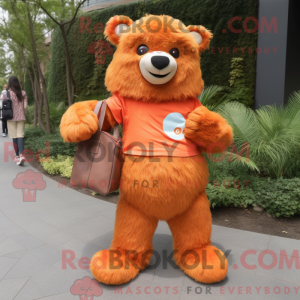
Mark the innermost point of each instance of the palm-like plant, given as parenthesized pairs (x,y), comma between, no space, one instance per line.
(213,96)
(273,133)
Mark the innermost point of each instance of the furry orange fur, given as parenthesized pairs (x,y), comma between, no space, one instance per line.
(123,75)
(178,195)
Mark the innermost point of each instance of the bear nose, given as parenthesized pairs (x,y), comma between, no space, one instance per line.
(160,62)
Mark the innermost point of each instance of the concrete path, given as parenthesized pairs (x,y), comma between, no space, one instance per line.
(35,236)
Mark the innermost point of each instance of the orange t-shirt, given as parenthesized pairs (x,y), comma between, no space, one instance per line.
(154,129)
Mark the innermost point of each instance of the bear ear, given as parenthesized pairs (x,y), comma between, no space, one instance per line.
(201,35)
(115,27)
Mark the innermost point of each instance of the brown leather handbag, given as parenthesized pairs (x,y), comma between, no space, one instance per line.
(98,161)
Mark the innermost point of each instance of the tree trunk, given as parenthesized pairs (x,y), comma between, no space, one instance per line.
(35,118)
(34,95)
(39,99)
(70,78)
(40,73)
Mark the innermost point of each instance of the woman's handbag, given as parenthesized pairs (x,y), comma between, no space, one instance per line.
(7,108)
(98,161)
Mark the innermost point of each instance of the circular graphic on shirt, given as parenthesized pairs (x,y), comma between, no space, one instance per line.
(173,126)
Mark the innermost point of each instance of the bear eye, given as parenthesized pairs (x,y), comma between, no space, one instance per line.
(142,49)
(174,52)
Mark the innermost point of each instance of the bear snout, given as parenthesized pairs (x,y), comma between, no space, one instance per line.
(160,62)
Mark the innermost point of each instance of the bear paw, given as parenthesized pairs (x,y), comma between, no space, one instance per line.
(111,267)
(78,123)
(206,265)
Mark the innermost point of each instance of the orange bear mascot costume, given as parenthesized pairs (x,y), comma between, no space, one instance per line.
(155,78)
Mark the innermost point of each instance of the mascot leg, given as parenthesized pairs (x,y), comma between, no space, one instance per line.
(193,252)
(131,248)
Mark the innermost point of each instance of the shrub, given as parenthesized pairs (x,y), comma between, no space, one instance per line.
(213,96)
(227,192)
(35,139)
(281,197)
(272,133)
(33,132)
(56,111)
(59,165)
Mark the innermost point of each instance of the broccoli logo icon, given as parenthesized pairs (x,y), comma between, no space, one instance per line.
(29,182)
(101,49)
(86,288)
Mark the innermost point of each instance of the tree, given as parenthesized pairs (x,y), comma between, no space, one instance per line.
(63,13)
(23,29)
(39,74)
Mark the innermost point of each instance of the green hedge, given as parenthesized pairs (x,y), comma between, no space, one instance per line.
(36,139)
(279,197)
(213,14)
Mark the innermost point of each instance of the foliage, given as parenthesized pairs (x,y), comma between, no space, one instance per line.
(213,96)
(221,193)
(3,81)
(272,134)
(29,114)
(281,197)
(61,165)
(237,70)
(242,94)
(28,89)
(56,112)
(240,91)
(3,64)
(36,138)
(14,31)
(61,11)
(215,65)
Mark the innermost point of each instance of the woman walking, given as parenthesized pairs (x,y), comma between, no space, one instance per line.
(16,125)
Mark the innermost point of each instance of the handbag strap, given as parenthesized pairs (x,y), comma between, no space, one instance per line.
(7,95)
(102,105)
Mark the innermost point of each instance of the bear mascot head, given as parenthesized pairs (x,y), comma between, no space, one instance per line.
(157,58)
(155,79)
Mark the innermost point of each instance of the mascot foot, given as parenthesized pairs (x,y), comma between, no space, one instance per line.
(212,266)
(114,267)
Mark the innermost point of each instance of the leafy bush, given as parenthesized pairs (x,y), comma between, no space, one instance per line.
(35,139)
(33,132)
(59,165)
(213,96)
(56,111)
(272,134)
(229,192)
(280,197)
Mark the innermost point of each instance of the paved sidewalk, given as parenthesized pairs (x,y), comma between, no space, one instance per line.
(33,236)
